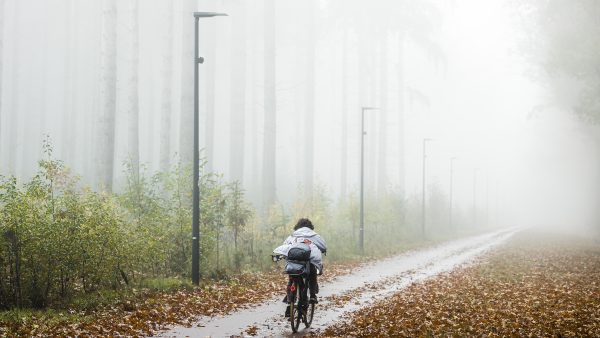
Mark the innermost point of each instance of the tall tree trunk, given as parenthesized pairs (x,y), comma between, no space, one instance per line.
(254,187)
(238,94)
(367,91)
(106,142)
(43,103)
(250,134)
(186,118)
(309,114)
(362,72)
(270,117)
(382,132)
(132,85)
(211,77)
(93,118)
(14,116)
(69,122)
(2,15)
(344,161)
(372,116)
(167,76)
(19,291)
(401,92)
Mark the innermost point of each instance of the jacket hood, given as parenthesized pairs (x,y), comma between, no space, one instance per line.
(304,232)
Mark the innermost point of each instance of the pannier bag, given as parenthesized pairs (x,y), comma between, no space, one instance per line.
(299,252)
(296,268)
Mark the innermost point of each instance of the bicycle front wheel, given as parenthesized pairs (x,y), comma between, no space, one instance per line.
(308,318)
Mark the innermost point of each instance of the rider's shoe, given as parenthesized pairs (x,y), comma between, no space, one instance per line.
(313,300)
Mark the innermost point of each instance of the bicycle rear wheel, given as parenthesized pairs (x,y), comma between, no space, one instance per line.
(295,309)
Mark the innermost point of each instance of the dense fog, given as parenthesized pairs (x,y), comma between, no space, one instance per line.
(281,91)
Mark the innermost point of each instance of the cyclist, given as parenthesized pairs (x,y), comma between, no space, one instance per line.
(304,233)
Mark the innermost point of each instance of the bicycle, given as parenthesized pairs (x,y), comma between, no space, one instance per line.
(300,309)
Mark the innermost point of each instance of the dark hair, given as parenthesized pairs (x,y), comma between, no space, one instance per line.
(304,223)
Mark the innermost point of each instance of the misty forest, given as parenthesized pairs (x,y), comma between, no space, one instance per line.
(439,161)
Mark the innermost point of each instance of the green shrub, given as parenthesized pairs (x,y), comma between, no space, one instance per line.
(62,242)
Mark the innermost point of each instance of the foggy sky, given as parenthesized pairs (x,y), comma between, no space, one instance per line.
(537,164)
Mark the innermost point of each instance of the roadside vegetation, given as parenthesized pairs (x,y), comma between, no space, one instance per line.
(71,255)
(533,286)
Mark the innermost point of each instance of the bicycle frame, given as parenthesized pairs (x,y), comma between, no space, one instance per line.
(300,284)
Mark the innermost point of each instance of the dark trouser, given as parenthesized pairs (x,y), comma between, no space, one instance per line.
(313,286)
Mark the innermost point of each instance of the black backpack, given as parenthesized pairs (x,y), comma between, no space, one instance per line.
(299,252)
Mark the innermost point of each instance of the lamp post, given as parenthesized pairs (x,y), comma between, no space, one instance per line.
(496,213)
(361,233)
(423,216)
(487,198)
(475,196)
(196,188)
(451,191)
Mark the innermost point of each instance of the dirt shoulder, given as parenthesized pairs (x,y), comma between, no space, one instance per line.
(535,285)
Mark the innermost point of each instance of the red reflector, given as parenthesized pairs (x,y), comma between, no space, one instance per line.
(293,288)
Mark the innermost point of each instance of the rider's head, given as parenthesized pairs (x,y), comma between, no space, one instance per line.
(304,223)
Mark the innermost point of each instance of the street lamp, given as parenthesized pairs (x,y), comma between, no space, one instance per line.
(361,235)
(196,188)
(451,191)
(423,216)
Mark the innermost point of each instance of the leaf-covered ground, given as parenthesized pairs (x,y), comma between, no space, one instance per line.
(535,285)
(147,312)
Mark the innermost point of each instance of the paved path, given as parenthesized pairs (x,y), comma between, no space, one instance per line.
(350,292)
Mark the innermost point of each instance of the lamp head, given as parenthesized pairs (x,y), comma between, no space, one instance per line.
(208,14)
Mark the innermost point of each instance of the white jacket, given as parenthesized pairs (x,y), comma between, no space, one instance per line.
(317,245)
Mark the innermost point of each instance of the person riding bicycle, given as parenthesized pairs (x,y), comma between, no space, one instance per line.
(304,233)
